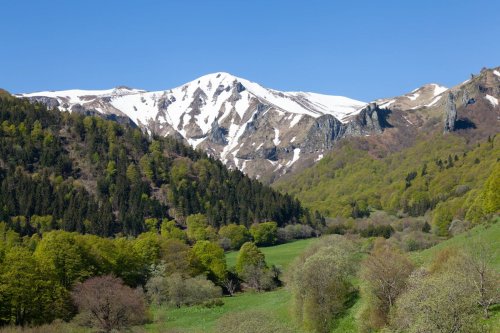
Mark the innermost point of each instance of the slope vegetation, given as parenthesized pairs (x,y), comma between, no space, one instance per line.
(441,173)
(86,174)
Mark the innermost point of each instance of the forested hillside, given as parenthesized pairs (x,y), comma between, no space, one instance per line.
(448,175)
(87,174)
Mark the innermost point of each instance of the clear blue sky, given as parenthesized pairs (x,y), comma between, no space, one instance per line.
(361,49)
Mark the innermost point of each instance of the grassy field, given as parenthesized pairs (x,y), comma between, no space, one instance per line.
(488,234)
(201,319)
(277,303)
(279,255)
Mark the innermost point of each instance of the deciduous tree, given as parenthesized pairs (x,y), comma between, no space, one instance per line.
(107,304)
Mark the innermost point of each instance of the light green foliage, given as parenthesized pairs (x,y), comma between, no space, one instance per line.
(237,234)
(443,215)
(8,239)
(486,200)
(147,246)
(147,166)
(37,131)
(43,223)
(321,283)
(128,265)
(198,228)
(133,174)
(179,170)
(151,224)
(264,233)
(249,255)
(64,255)
(111,169)
(209,257)
(169,230)
(189,291)
(28,294)
(251,267)
(351,175)
(440,302)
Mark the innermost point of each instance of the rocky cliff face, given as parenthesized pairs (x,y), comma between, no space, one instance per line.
(451,113)
(471,107)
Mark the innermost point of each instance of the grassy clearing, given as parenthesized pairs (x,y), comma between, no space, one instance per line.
(201,319)
(279,255)
(487,234)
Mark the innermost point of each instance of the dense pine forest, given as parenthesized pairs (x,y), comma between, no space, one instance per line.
(87,174)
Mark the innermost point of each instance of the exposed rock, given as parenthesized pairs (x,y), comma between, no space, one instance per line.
(50,102)
(324,132)
(370,120)
(217,134)
(451,114)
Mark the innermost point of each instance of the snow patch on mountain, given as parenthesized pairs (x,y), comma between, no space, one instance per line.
(438,90)
(492,100)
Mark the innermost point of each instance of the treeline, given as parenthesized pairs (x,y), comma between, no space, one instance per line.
(445,175)
(87,174)
(62,274)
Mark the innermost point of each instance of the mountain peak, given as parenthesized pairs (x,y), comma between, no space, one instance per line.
(246,125)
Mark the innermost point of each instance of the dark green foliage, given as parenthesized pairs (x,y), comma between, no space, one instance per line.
(377,231)
(92,175)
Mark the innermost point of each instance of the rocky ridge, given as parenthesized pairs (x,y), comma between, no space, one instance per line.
(267,133)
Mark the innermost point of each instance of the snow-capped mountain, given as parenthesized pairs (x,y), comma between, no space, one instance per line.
(427,95)
(267,133)
(472,104)
(263,132)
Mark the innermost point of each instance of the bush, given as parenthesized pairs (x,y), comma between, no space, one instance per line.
(107,304)
(190,291)
(265,233)
(237,235)
(259,277)
(385,272)
(321,282)
(439,302)
(249,255)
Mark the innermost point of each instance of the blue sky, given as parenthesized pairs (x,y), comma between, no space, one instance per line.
(360,49)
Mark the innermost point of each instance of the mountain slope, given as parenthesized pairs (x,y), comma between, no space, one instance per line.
(439,153)
(87,174)
(269,134)
(261,131)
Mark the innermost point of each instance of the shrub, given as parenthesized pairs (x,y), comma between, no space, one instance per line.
(265,233)
(107,304)
(320,282)
(237,235)
(190,291)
